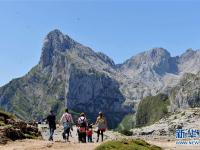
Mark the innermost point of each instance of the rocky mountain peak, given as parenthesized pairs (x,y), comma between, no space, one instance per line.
(190,50)
(188,54)
(156,58)
(58,41)
(158,53)
(54,33)
(188,61)
(55,41)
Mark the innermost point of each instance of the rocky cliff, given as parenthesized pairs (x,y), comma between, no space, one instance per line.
(187,93)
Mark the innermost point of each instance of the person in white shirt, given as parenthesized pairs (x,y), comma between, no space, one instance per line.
(67,121)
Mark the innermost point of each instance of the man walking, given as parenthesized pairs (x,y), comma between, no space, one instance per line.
(67,121)
(52,124)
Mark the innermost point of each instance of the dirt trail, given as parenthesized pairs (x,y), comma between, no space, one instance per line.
(46,145)
(58,144)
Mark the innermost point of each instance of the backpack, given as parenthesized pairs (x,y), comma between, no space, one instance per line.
(82,122)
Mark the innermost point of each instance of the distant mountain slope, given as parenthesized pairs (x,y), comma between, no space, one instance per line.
(73,75)
(155,71)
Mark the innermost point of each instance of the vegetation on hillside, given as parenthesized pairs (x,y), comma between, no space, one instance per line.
(136,144)
(126,124)
(151,109)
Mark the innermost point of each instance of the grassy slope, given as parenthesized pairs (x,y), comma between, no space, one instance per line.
(127,145)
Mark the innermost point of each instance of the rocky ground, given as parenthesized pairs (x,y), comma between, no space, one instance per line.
(186,119)
(58,142)
(12,129)
(162,133)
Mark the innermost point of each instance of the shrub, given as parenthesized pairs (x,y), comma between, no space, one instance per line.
(151,109)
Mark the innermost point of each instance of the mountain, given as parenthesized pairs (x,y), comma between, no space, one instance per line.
(149,71)
(155,71)
(72,75)
(68,74)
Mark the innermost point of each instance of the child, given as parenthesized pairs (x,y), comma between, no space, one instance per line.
(89,133)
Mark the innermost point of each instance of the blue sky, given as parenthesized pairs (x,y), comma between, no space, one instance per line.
(120,29)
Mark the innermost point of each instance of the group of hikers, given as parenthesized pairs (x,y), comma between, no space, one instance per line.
(84,129)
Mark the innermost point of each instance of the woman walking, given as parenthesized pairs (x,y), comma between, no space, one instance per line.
(101,124)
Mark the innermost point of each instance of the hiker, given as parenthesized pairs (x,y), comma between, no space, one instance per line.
(67,121)
(81,128)
(52,124)
(89,133)
(101,124)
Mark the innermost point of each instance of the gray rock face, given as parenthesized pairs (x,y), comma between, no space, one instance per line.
(188,62)
(187,93)
(54,42)
(157,60)
(99,91)
(187,119)
(106,59)
(92,92)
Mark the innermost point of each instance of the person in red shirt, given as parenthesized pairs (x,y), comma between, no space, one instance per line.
(89,133)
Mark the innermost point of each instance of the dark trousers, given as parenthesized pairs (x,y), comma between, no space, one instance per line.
(82,137)
(90,138)
(66,131)
(98,133)
(51,130)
